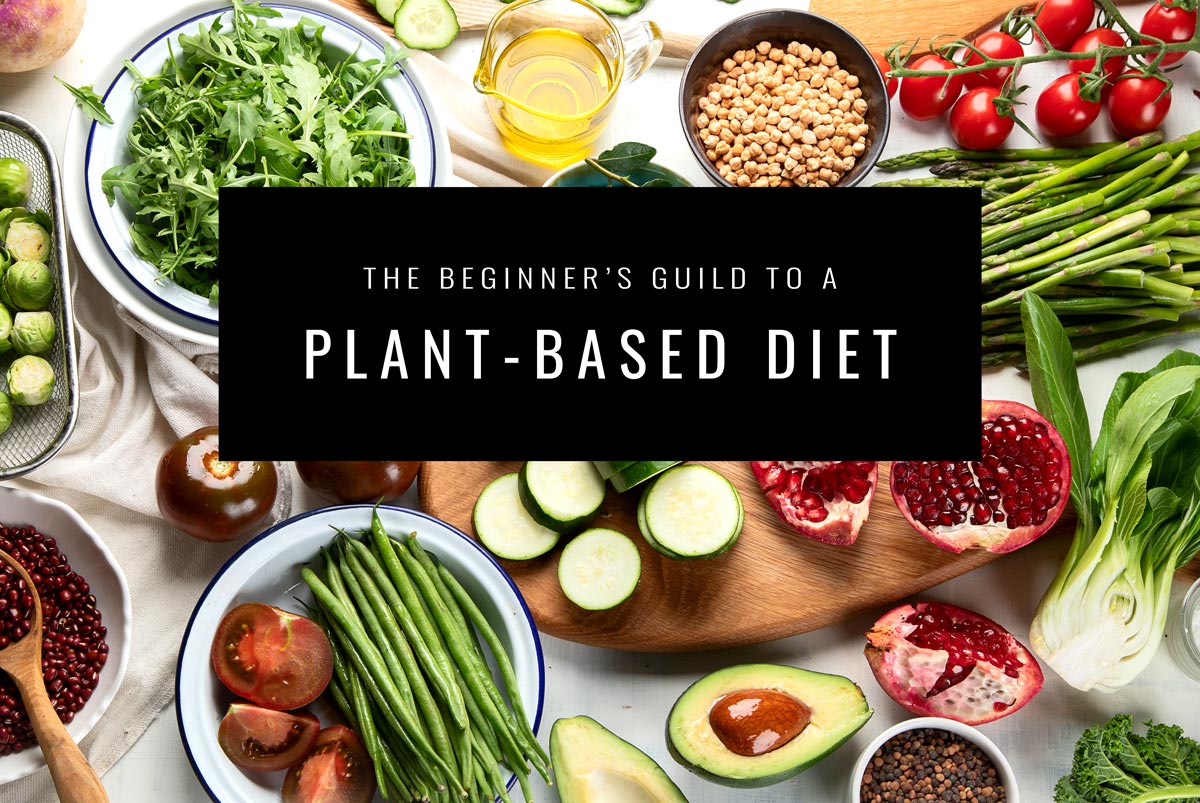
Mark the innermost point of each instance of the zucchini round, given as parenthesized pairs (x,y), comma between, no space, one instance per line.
(505,527)
(561,495)
(691,511)
(637,473)
(599,569)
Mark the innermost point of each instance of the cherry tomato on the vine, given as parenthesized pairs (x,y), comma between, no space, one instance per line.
(975,123)
(1137,105)
(925,97)
(1064,21)
(1170,24)
(997,45)
(884,67)
(1090,41)
(1061,112)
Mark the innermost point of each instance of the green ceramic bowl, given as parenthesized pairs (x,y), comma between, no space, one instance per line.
(580,175)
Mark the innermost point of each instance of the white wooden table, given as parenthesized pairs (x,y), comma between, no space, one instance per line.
(631,694)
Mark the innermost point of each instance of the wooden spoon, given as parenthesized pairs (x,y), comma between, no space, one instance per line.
(74,778)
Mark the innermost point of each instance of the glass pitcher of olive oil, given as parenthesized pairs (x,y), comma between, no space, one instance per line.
(551,70)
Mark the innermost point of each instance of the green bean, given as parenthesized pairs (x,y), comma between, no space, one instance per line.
(489,762)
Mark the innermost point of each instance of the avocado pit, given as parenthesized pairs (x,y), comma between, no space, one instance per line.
(753,722)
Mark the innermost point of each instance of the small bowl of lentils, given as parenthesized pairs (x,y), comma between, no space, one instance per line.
(932,759)
(784,98)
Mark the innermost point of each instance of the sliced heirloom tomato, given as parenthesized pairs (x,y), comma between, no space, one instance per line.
(337,770)
(262,740)
(272,657)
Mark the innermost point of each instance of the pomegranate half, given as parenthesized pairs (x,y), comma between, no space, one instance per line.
(937,659)
(826,501)
(1009,498)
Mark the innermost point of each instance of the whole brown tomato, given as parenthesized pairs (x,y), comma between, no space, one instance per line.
(210,498)
(358,480)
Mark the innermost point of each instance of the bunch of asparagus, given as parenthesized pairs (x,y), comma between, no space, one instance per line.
(1106,233)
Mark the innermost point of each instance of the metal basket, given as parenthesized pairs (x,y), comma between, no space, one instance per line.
(37,433)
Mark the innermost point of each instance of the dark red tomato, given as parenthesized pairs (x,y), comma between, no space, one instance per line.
(1170,24)
(1137,105)
(928,96)
(261,740)
(884,67)
(210,498)
(272,657)
(1061,112)
(1090,41)
(358,480)
(974,122)
(337,770)
(997,45)
(1064,21)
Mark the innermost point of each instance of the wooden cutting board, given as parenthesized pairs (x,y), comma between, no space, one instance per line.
(773,583)
(878,24)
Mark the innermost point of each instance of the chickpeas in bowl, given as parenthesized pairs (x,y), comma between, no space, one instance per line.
(795,108)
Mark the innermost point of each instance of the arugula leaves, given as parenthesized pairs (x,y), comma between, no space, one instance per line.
(243,102)
(91,103)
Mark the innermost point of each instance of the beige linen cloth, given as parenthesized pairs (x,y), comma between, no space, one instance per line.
(139,391)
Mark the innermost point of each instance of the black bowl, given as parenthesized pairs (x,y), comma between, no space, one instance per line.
(780,26)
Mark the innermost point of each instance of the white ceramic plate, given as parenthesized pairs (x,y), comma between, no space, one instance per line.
(101,232)
(267,570)
(90,558)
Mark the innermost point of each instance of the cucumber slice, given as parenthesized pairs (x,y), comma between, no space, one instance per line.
(608,469)
(599,569)
(505,526)
(638,473)
(426,24)
(620,8)
(561,495)
(388,8)
(691,511)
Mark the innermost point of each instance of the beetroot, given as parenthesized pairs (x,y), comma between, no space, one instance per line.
(940,660)
(34,33)
(826,501)
(1011,497)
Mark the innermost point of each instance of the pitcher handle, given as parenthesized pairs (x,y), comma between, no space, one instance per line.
(642,44)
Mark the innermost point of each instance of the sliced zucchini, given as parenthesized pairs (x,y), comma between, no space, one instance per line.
(638,473)
(620,8)
(608,469)
(426,24)
(599,569)
(561,495)
(691,511)
(388,8)
(505,527)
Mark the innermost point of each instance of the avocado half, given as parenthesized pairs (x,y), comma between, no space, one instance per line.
(594,765)
(838,710)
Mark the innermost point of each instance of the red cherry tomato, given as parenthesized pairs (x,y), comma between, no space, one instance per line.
(884,67)
(928,96)
(1135,106)
(974,122)
(1064,21)
(277,659)
(1170,24)
(1061,112)
(997,45)
(210,498)
(261,740)
(1090,41)
(338,770)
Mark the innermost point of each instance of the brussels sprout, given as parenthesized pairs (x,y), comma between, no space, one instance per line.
(6,323)
(6,412)
(29,285)
(32,332)
(5,260)
(30,381)
(27,240)
(15,182)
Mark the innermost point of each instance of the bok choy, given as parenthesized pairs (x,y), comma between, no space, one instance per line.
(1136,494)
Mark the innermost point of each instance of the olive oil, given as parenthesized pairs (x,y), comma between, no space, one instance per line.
(556,85)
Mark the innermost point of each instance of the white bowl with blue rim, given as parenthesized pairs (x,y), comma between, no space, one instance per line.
(267,569)
(101,231)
